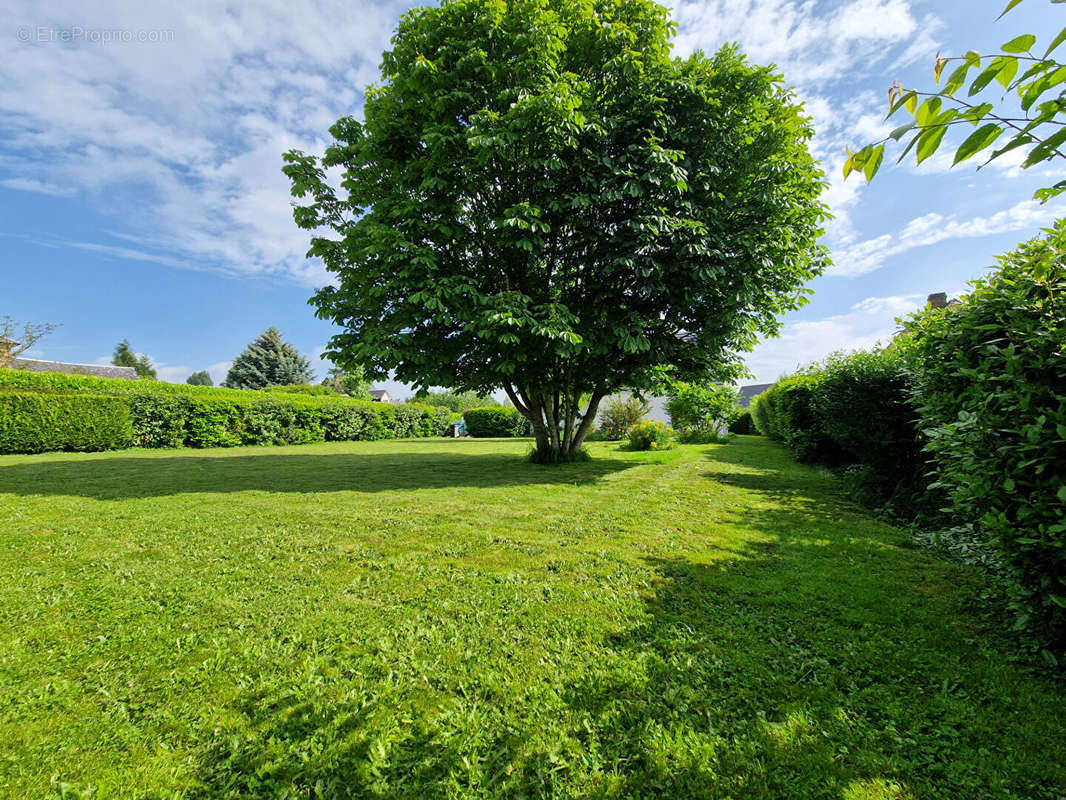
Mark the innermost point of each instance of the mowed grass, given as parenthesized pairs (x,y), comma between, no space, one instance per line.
(434,619)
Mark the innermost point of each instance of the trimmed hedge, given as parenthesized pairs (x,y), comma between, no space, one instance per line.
(989,378)
(35,423)
(495,421)
(853,411)
(743,424)
(172,415)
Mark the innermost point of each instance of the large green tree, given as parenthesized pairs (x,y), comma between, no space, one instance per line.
(201,378)
(540,198)
(268,361)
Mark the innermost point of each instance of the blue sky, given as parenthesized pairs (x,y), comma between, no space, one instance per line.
(141,195)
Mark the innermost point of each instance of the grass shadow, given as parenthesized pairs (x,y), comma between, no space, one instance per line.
(130,476)
(827,661)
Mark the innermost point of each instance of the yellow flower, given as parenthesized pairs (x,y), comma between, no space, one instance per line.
(654,444)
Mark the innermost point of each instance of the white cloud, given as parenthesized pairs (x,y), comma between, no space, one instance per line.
(182,139)
(219,371)
(869,322)
(38,187)
(810,42)
(872,254)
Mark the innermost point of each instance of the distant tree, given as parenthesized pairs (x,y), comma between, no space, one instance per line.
(352,382)
(14,342)
(454,401)
(201,378)
(268,361)
(541,197)
(125,357)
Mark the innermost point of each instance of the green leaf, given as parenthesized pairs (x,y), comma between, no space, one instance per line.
(1008,484)
(1008,69)
(928,110)
(1056,42)
(985,78)
(929,141)
(956,79)
(897,134)
(1019,140)
(1010,5)
(1020,44)
(873,162)
(1046,149)
(977,141)
(1062,493)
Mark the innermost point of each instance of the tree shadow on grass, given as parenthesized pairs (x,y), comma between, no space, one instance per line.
(130,476)
(826,662)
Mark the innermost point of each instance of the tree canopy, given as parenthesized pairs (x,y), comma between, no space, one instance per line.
(540,198)
(201,378)
(268,361)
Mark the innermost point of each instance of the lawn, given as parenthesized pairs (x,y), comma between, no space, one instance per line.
(439,618)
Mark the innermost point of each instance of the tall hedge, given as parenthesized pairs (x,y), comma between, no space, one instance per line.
(990,387)
(35,423)
(495,421)
(853,411)
(171,415)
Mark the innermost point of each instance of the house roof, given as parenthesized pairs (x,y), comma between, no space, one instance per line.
(96,370)
(377,394)
(8,340)
(746,393)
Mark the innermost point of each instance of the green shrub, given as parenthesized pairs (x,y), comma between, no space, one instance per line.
(619,414)
(39,422)
(702,436)
(701,411)
(743,423)
(990,387)
(158,420)
(319,390)
(651,435)
(760,413)
(495,421)
(452,400)
(863,406)
(853,411)
(790,417)
(170,415)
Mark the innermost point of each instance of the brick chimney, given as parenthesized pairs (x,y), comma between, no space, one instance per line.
(937,300)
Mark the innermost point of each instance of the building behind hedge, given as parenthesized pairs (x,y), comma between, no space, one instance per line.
(94,370)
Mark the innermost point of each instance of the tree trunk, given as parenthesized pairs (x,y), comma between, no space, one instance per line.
(546,412)
(586,423)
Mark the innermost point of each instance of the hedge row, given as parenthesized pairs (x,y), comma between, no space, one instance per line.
(853,410)
(170,415)
(63,383)
(35,423)
(161,421)
(989,385)
(495,421)
(967,410)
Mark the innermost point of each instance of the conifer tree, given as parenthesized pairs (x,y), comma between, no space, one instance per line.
(268,361)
